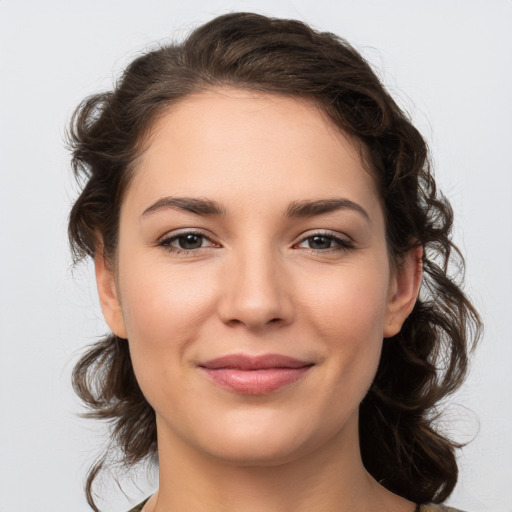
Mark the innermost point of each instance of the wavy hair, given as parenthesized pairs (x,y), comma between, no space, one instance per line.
(400,444)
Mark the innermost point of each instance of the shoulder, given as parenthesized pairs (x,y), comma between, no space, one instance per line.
(437,508)
(138,508)
(422,508)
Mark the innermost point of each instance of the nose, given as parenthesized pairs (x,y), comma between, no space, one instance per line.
(256,292)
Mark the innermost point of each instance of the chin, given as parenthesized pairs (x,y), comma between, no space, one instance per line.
(261,452)
(266,443)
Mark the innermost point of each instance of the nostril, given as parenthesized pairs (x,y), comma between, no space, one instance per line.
(235,322)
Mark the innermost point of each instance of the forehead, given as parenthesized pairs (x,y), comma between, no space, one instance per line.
(235,144)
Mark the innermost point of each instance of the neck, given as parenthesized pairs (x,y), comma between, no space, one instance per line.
(328,479)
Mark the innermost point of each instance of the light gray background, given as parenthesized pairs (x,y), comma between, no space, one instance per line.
(448,63)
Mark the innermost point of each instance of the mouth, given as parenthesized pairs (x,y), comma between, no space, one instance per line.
(255,375)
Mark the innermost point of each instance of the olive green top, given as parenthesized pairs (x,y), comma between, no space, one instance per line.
(420,508)
(437,508)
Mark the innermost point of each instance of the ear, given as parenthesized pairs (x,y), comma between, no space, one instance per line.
(404,288)
(108,294)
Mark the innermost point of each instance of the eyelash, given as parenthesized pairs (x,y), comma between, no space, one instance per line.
(342,244)
(166,242)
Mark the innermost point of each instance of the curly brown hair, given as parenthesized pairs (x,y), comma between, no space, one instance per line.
(401,446)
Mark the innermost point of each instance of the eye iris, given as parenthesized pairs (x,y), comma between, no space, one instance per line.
(320,242)
(190,241)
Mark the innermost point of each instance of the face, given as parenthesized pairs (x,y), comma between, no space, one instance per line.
(252,279)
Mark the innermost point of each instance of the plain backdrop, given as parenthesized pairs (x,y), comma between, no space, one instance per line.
(448,63)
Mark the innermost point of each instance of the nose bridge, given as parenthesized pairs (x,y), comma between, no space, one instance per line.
(255,292)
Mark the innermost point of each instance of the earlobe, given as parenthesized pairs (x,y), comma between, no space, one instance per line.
(108,294)
(404,291)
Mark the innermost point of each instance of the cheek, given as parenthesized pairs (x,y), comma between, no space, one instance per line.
(163,312)
(347,311)
(348,300)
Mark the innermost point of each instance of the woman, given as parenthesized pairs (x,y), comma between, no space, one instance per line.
(261,215)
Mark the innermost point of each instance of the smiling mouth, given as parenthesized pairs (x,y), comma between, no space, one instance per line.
(257,375)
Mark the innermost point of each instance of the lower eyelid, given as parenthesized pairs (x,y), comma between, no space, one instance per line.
(341,242)
(167,240)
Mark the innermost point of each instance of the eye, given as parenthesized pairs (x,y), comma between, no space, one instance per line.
(325,242)
(186,242)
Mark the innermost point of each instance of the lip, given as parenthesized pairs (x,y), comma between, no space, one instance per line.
(255,375)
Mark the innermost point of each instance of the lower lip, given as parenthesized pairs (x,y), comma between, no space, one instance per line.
(255,382)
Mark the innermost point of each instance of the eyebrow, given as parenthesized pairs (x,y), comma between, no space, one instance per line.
(305,208)
(199,206)
(322,206)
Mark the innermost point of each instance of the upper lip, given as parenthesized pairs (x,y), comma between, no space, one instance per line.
(247,362)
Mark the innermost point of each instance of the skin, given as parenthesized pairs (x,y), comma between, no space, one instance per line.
(257,283)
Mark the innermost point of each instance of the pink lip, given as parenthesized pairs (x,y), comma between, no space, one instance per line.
(255,375)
